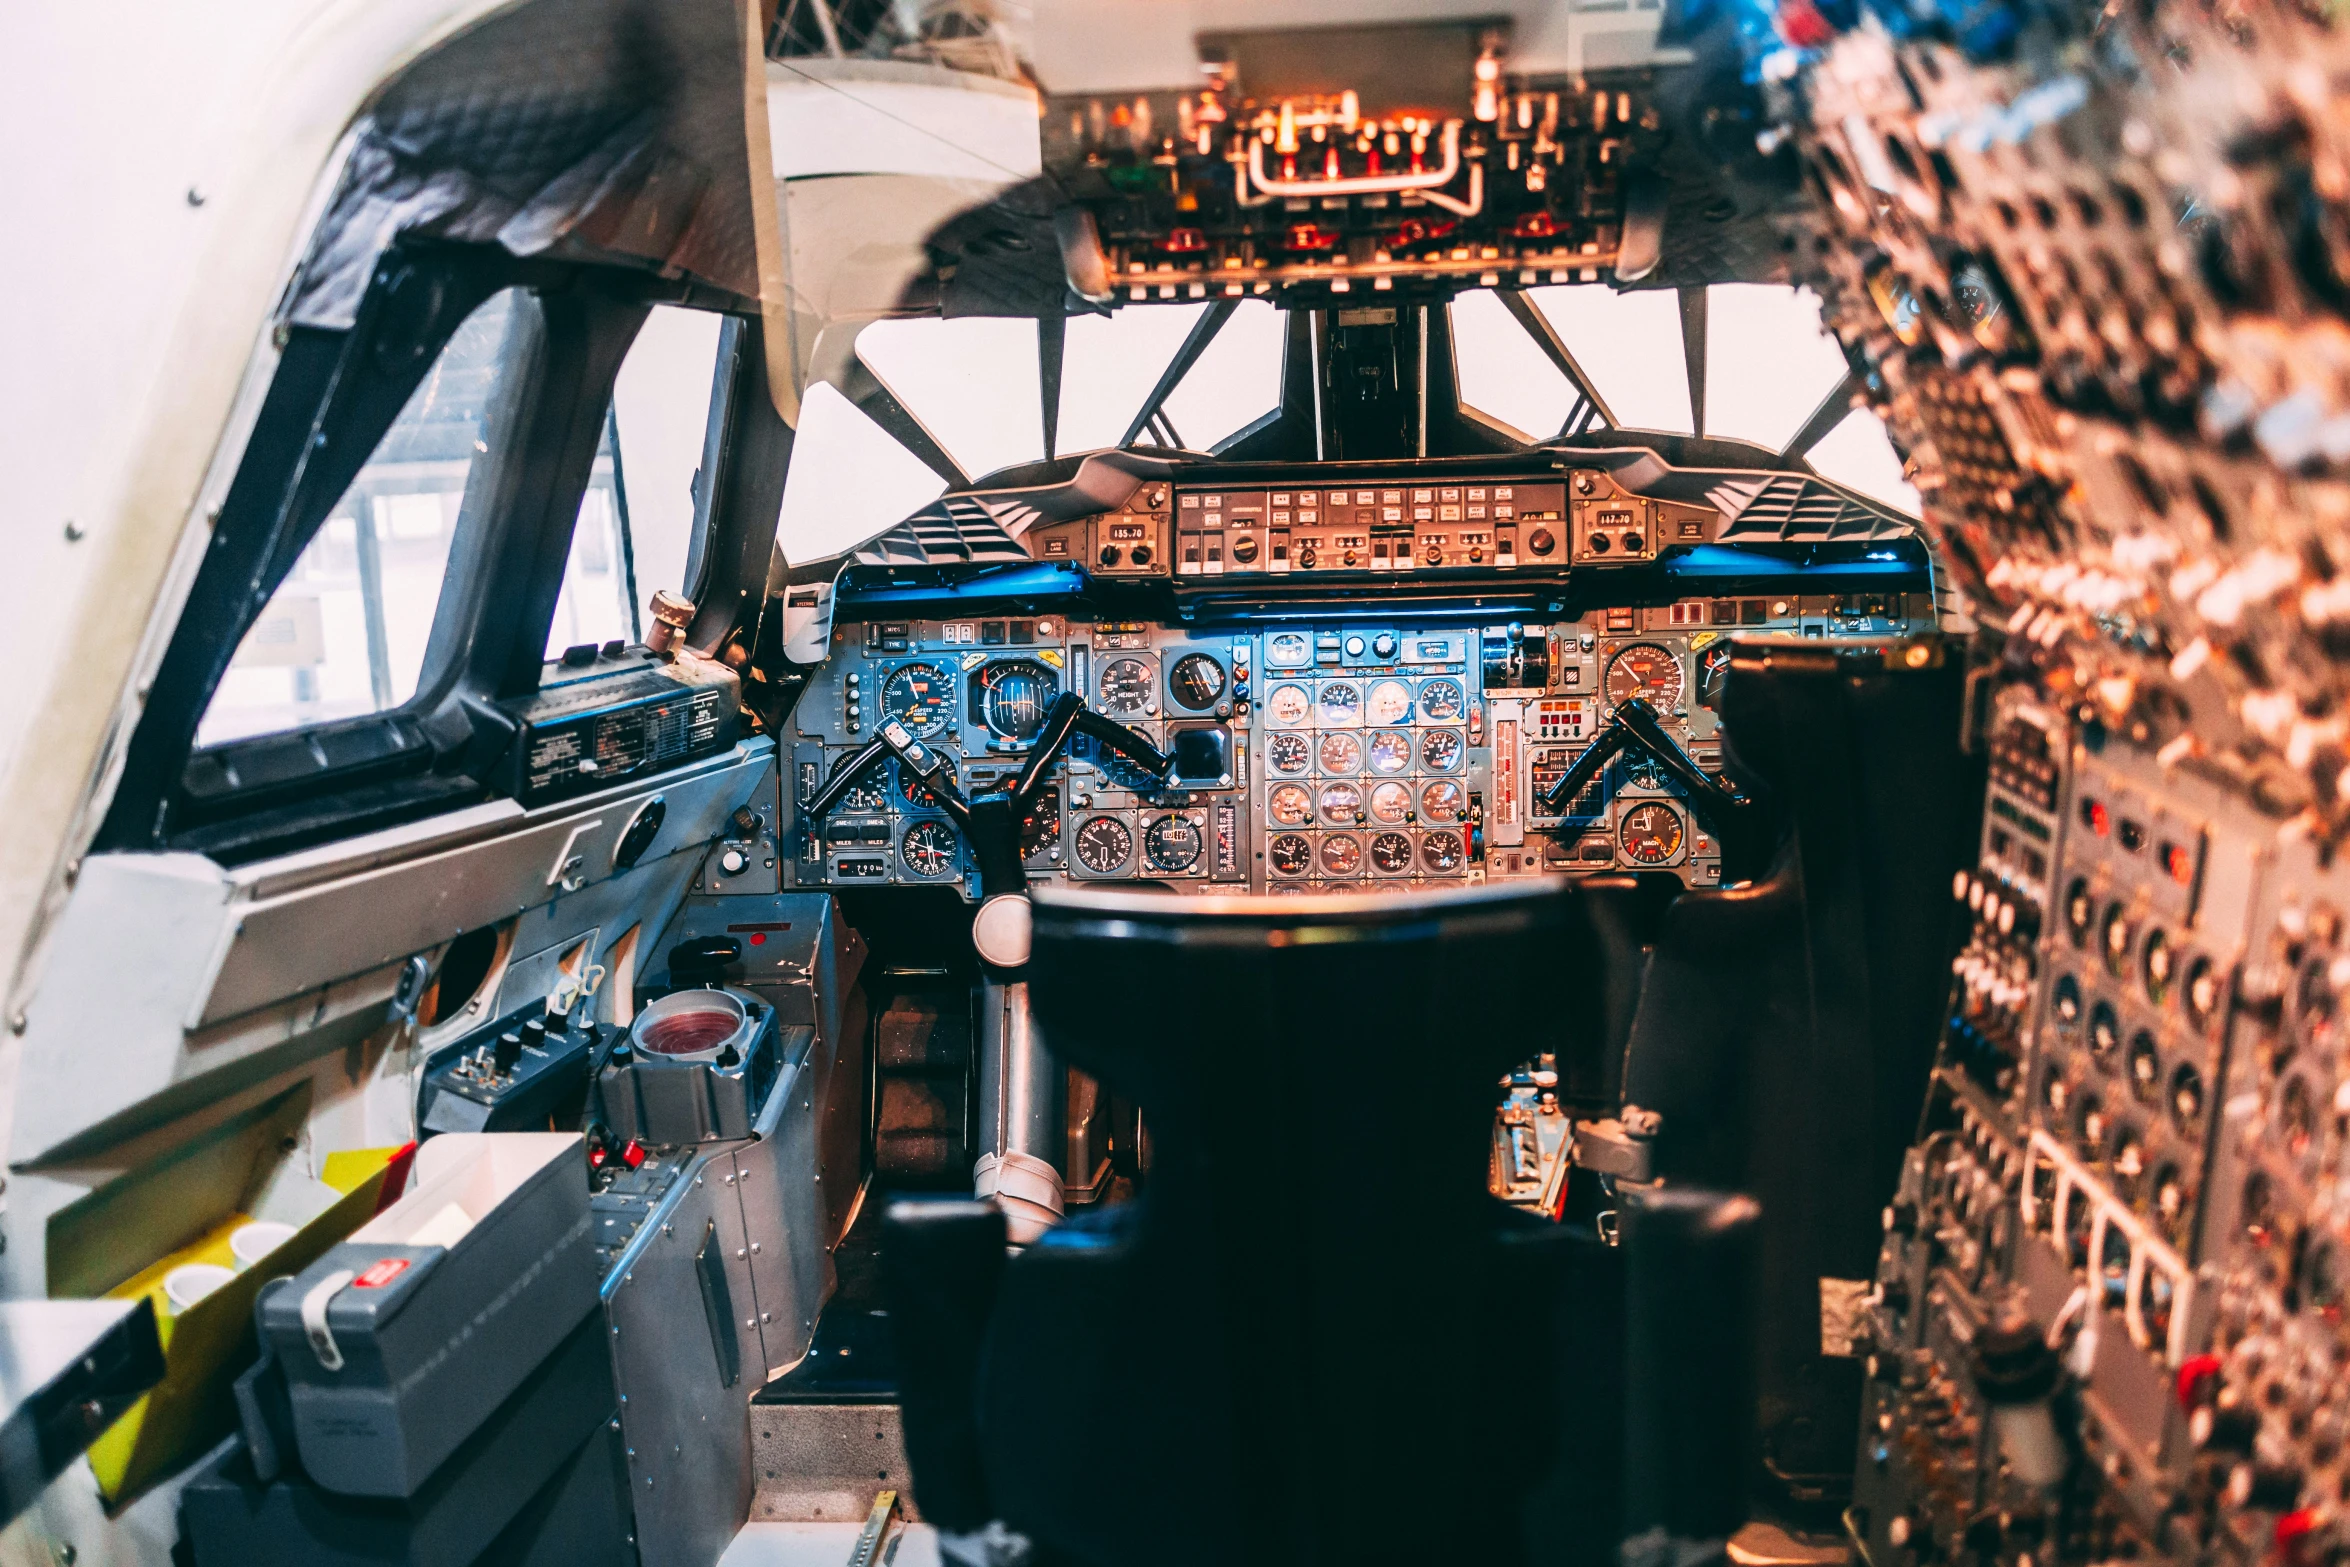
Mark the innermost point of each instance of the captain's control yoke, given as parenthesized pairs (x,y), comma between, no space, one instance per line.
(1020,1088)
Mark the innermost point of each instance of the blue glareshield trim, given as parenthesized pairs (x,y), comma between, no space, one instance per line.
(1891,561)
(1032,580)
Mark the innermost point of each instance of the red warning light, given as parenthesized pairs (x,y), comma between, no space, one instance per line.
(2179,863)
(758,938)
(633,1154)
(2099,821)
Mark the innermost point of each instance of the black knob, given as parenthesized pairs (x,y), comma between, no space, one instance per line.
(1541,541)
(1110,554)
(508,1049)
(2274,1488)
(1141,555)
(1244,548)
(1598,545)
(2224,1428)
(1305,557)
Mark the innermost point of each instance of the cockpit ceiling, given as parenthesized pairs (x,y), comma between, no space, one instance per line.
(615,131)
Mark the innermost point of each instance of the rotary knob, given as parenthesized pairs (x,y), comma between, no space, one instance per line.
(1244,548)
(1541,541)
(1383,645)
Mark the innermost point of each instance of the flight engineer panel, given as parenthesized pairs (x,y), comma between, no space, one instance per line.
(1363,755)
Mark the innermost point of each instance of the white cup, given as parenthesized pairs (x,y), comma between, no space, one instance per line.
(254,1241)
(190,1282)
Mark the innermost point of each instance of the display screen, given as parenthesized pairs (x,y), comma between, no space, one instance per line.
(1203,758)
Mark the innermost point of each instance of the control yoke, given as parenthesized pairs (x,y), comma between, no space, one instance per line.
(992,821)
(1635,728)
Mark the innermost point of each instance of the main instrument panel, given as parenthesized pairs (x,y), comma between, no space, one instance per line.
(1360,755)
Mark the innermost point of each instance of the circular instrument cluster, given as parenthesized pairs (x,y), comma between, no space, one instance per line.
(1364,777)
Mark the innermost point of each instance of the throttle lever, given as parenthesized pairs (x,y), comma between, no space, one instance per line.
(1636,727)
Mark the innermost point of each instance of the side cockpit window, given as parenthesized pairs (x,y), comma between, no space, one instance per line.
(345,633)
(636,522)
(348,632)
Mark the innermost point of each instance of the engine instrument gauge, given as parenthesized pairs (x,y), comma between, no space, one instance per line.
(1340,753)
(1125,687)
(1013,696)
(1441,801)
(1341,703)
(928,849)
(1197,681)
(1291,854)
(1390,751)
(1289,753)
(1288,706)
(1440,750)
(1391,853)
(1342,854)
(911,791)
(1289,805)
(1391,802)
(1390,702)
(1651,834)
(1441,701)
(1341,803)
(1172,843)
(1644,669)
(871,790)
(1040,826)
(1441,851)
(921,697)
(1104,844)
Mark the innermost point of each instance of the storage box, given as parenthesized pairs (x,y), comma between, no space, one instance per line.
(538,1481)
(126,1237)
(399,1343)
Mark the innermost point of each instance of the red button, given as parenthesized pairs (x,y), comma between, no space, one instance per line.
(634,1154)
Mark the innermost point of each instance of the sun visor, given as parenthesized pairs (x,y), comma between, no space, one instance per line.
(596,130)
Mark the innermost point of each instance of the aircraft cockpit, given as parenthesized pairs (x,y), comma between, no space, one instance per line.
(1116,782)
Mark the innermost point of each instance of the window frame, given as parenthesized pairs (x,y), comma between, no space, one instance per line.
(332,399)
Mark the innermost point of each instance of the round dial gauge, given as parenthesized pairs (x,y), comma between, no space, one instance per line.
(911,791)
(1644,669)
(1172,842)
(1441,701)
(1288,649)
(1391,853)
(1441,851)
(1441,801)
(1440,750)
(929,849)
(1341,753)
(1290,753)
(871,790)
(1391,802)
(1103,844)
(1292,854)
(1342,854)
(1040,827)
(1391,751)
(1197,681)
(1341,803)
(1287,705)
(1651,834)
(921,697)
(1341,703)
(1013,697)
(1125,687)
(1289,805)
(1390,702)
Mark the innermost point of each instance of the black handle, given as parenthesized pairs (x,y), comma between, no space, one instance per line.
(1635,726)
(930,765)
(1069,715)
